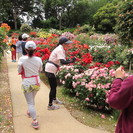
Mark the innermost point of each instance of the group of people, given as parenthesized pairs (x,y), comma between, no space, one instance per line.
(120,96)
(29,67)
(17,46)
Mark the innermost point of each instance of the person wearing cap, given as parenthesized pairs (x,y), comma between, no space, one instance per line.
(57,57)
(29,67)
(25,39)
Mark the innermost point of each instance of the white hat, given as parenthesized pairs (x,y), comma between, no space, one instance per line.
(25,36)
(30,44)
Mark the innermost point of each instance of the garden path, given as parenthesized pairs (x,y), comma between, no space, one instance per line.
(57,121)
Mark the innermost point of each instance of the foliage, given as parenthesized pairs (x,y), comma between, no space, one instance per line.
(89,40)
(25,28)
(84,29)
(112,52)
(104,19)
(43,34)
(50,23)
(124,27)
(2,44)
(89,88)
(68,30)
(19,9)
(3,37)
(68,13)
(94,6)
(54,31)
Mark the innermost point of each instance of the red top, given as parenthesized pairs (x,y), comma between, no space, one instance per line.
(121,98)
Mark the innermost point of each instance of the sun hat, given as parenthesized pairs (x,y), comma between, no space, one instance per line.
(25,36)
(64,40)
(30,44)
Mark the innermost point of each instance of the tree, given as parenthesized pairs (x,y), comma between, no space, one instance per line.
(105,18)
(56,9)
(67,13)
(124,26)
(79,14)
(13,9)
(94,6)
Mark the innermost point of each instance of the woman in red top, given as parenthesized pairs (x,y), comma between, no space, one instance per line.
(121,97)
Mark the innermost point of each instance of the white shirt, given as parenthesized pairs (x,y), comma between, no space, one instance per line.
(57,54)
(32,66)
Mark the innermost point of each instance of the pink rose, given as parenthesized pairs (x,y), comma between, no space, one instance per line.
(103,116)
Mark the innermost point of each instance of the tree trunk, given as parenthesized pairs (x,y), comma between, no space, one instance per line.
(60,23)
(15,18)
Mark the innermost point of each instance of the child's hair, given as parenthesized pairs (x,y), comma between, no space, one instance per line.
(30,52)
(20,38)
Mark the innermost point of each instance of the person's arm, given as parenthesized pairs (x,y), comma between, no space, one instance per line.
(41,64)
(63,62)
(121,92)
(20,69)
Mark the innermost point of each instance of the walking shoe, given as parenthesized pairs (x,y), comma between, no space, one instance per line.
(35,124)
(57,101)
(53,107)
(28,114)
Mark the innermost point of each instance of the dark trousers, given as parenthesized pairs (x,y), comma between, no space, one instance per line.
(53,84)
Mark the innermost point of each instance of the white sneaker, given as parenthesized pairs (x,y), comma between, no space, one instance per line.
(53,107)
(57,101)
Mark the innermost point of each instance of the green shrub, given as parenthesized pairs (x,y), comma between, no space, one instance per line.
(2,44)
(85,28)
(25,28)
(124,27)
(104,19)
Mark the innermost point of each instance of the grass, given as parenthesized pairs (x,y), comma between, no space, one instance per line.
(87,116)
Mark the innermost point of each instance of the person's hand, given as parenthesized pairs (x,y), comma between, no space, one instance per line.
(120,73)
(73,59)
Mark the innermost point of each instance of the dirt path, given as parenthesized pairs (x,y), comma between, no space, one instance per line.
(57,121)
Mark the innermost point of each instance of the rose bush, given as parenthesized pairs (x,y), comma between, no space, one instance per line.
(4,28)
(89,86)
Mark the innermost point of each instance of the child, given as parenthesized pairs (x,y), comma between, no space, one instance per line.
(13,49)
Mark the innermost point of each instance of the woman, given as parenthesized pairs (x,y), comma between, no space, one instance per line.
(121,97)
(19,47)
(56,58)
(29,67)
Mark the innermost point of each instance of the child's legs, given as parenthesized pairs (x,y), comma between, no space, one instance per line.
(30,96)
(14,54)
